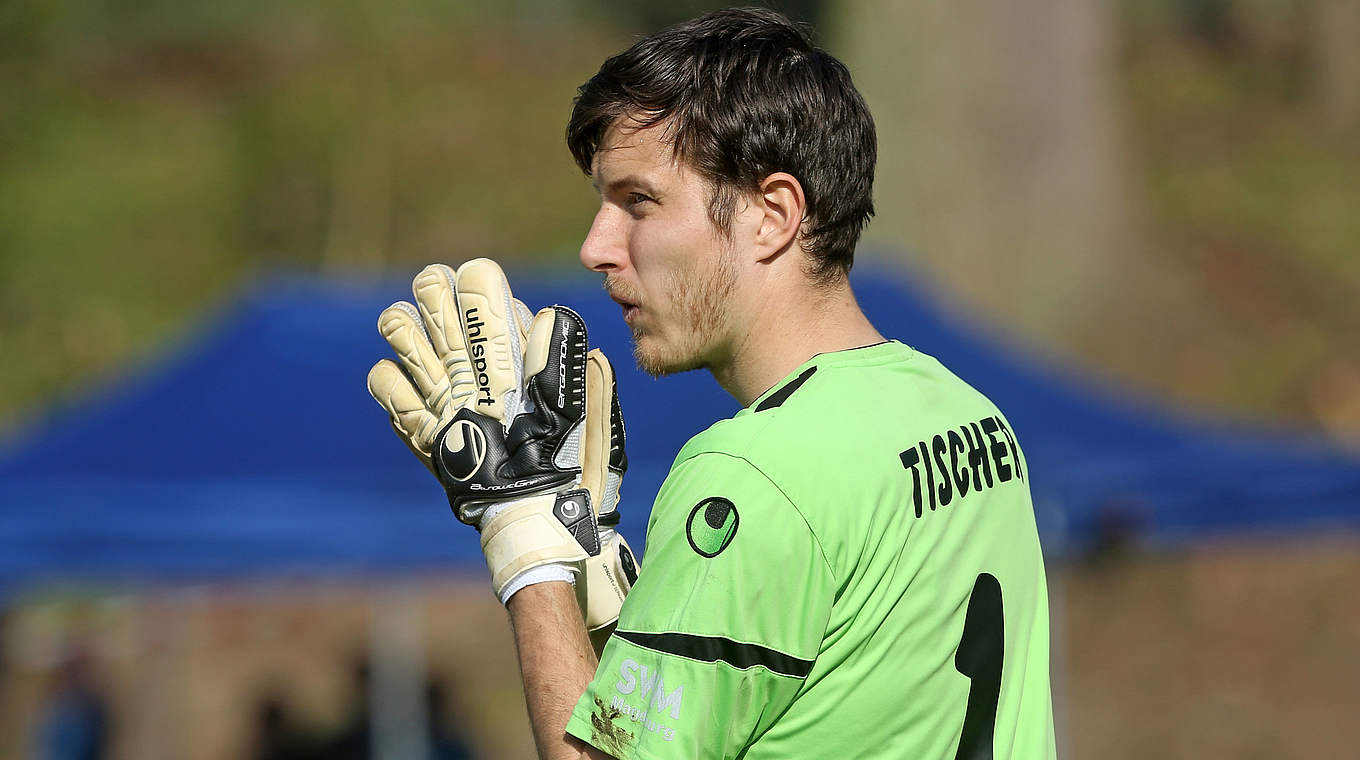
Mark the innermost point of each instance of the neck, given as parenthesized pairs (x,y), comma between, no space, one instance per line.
(787,326)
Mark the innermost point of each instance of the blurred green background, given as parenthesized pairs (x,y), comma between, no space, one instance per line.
(1160,194)
(1161,191)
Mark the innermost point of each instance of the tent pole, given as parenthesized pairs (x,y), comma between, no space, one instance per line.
(160,714)
(400,728)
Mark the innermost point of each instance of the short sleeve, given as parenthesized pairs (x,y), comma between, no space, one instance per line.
(723,626)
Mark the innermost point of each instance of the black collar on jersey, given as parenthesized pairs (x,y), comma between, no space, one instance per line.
(782,395)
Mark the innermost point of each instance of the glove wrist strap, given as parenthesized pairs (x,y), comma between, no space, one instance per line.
(547,529)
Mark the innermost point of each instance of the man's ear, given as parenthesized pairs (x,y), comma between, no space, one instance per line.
(781,204)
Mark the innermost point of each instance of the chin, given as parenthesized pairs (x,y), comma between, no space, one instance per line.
(658,360)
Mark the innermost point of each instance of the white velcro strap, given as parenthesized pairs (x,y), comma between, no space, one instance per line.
(525,534)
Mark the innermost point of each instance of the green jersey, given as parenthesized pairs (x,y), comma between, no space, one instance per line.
(848,568)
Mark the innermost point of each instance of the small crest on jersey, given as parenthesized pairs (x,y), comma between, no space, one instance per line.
(711,526)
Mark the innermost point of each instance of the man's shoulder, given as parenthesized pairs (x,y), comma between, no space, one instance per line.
(734,436)
(841,421)
(829,401)
(761,439)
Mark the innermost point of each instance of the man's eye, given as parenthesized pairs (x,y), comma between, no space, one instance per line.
(635,199)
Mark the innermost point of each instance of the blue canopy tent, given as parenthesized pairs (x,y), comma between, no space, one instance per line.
(255,449)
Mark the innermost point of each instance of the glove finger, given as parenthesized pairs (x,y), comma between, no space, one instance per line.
(400,324)
(618,436)
(437,300)
(556,362)
(494,340)
(596,443)
(393,390)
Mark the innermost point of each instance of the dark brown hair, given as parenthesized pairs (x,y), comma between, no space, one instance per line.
(744,93)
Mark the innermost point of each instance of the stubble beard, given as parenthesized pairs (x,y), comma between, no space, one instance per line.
(700,304)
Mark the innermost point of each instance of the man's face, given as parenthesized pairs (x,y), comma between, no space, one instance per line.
(666,264)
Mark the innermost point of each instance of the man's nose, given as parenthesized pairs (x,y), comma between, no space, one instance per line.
(603,250)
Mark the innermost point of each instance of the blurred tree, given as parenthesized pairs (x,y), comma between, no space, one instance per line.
(650,17)
(155,154)
(1211,21)
(1000,156)
(1141,186)
(1336,34)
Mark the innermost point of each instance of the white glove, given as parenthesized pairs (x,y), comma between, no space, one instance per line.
(494,401)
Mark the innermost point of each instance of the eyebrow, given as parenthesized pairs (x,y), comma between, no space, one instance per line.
(629,180)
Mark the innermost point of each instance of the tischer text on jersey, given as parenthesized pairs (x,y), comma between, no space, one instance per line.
(847,568)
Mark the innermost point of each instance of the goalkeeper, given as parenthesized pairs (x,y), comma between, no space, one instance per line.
(849,567)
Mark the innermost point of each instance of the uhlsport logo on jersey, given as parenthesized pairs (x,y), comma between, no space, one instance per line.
(464,450)
(711,526)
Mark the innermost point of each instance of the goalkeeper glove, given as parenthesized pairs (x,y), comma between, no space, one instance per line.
(498,404)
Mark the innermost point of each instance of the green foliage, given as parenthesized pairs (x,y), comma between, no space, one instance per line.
(155,154)
(1252,190)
